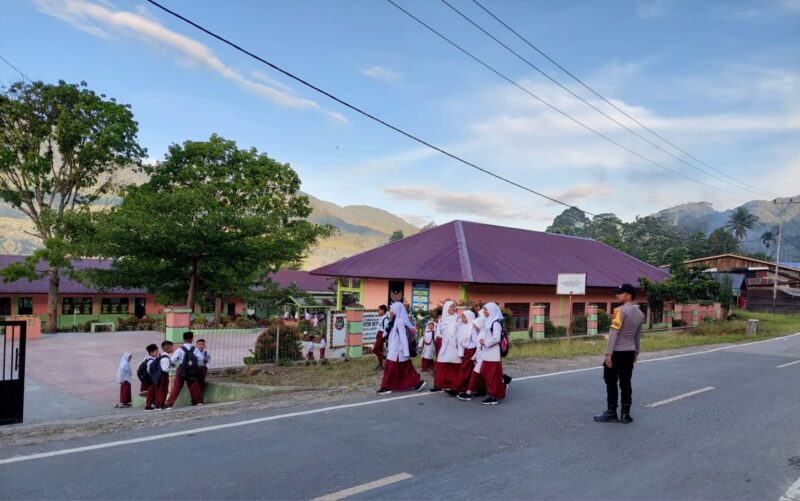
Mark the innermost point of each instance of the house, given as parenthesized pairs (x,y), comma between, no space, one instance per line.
(759,285)
(321,290)
(467,261)
(79,303)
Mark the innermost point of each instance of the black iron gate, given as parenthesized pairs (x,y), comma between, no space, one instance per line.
(12,379)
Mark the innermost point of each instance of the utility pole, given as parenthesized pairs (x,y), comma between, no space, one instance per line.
(781,212)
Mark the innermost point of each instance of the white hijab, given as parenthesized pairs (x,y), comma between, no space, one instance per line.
(448,323)
(466,328)
(124,372)
(494,314)
(401,320)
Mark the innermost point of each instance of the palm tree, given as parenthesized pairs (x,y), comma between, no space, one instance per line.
(768,238)
(739,222)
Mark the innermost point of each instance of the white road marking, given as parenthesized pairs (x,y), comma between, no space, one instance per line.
(793,494)
(787,365)
(679,397)
(352,491)
(106,445)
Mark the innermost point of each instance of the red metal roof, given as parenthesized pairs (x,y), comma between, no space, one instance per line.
(467,252)
(304,280)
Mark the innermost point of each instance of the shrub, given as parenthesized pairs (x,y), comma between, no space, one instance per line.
(561,331)
(244,323)
(603,321)
(549,328)
(677,322)
(578,325)
(289,349)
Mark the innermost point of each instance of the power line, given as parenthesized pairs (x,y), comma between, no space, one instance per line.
(556,109)
(383,122)
(590,89)
(16,69)
(595,108)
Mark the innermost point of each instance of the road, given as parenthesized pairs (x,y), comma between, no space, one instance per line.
(737,439)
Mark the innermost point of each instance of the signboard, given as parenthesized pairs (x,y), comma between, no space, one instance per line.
(420,295)
(370,326)
(338,330)
(571,284)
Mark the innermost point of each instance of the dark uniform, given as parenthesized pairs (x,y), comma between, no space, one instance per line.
(623,347)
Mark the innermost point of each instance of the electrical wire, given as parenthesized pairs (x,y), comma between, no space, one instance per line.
(639,123)
(16,69)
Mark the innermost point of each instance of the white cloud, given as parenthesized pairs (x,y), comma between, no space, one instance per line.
(383,73)
(651,9)
(101,20)
(462,203)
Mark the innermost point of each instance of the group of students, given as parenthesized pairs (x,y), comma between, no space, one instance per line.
(313,344)
(190,361)
(461,348)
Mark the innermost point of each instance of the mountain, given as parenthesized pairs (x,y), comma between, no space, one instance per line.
(361,228)
(701,216)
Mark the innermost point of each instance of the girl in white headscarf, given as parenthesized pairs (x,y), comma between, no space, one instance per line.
(467,346)
(489,368)
(426,343)
(124,378)
(448,362)
(399,373)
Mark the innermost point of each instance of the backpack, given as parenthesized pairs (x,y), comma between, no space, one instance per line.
(189,371)
(142,374)
(505,344)
(412,342)
(155,372)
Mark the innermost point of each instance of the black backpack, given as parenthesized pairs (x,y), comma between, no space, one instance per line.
(155,372)
(505,343)
(189,371)
(142,374)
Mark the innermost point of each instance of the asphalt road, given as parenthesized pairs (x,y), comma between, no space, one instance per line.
(739,440)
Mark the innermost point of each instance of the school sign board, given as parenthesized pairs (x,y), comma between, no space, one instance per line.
(338,330)
(370,327)
(420,295)
(571,284)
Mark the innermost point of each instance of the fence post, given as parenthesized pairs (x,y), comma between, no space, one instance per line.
(177,321)
(668,315)
(537,312)
(591,320)
(695,314)
(278,343)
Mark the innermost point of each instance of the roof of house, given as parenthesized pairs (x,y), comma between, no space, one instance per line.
(743,258)
(468,252)
(304,280)
(66,284)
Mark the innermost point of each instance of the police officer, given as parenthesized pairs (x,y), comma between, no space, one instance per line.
(621,354)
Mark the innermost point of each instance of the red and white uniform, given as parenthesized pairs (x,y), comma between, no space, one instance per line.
(399,373)
(428,350)
(448,362)
(489,368)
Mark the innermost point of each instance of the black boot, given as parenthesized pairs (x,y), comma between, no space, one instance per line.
(609,416)
(626,415)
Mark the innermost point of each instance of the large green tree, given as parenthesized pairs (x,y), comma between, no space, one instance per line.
(606,228)
(740,222)
(572,221)
(722,242)
(213,219)
(59,148)
(653,240)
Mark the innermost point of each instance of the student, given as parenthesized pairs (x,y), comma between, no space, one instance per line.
(186,358)
(380,337)
(467,346)
(308,347)
(322,345)
(150,385)
(399,374)
(158,370)
(426,360)
(437,338)
(124,378)
(202,363)
(489,368)
(448,363)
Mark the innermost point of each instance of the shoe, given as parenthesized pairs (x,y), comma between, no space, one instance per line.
(200,403)
(167,408)
(435,390)
(125,405)
(490,401)
(625,415)
(609,416)
(452,393)
(118,406)
(149,408)
(464,396)
(420,386)
(507,380)
(384,391)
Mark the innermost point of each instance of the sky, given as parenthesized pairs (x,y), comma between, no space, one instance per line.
(719,79)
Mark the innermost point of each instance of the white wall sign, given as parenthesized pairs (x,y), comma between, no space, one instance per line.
(338,330)
(370,327)
(571,284)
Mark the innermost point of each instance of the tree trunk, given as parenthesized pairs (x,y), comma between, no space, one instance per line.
(192,282)
(217,310)
(52,299)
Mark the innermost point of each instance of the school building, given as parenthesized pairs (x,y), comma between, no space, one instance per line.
(467,261)
(78,303)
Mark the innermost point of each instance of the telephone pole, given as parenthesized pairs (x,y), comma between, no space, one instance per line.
(782,211)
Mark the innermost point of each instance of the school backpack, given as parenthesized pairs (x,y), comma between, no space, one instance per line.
(142,374)
(505,344)
(412,342)
(189,371)
(155,372)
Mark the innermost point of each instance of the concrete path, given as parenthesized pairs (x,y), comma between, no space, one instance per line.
(738,440)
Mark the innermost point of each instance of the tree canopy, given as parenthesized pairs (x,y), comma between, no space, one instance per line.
(212,219)
(739,222)
(60,144)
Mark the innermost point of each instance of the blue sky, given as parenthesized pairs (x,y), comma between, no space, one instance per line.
(720,79)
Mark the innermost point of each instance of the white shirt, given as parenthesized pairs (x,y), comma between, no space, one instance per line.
(177,357)
(204,358)
(428,350)
(490,334)
(448,353)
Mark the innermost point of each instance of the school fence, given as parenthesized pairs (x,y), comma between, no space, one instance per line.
(228,347)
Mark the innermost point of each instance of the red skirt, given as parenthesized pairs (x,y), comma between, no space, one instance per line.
(492,376)
(322,353)
(426,364)
(125,392)
(377,348)
(437,345)
(445,377)
(466,369)
(399,376)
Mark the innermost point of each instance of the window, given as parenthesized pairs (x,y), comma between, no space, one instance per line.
(520,315)
(604,307)
(614,306)
(76,306)
(24,306)
(5,306)
(114,305)
(578,309)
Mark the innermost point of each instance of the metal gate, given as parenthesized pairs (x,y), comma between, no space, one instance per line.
(12,379)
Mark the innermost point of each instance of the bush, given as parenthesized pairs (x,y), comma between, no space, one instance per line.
(561,331)
(578,325)
(603,321)
(677,322)
(549,328)
(289,349)
(244,323)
